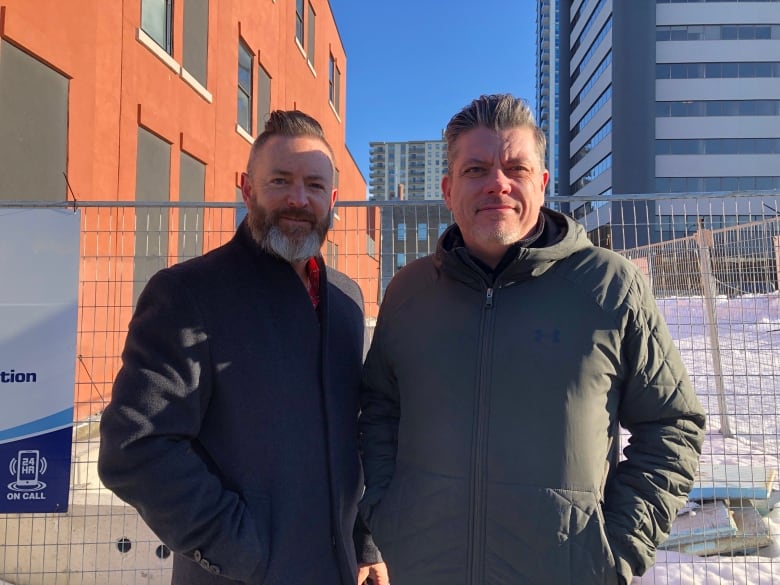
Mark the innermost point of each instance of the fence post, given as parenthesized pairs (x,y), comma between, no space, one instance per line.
(709,290)
(776,243)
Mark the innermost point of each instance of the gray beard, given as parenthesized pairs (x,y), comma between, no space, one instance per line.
(294,246)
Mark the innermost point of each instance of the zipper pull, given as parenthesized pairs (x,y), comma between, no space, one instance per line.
(489,298)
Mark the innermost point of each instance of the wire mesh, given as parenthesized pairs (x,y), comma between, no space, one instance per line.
(713,264)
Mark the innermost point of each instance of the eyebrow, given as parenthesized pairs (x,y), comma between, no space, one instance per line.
(471,161)
(514,160)
(285,173)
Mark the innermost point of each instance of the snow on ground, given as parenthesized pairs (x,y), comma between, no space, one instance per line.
(748,339)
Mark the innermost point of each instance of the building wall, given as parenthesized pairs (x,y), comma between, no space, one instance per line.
(122,92)
(417,165)
(645,106)
(712,172)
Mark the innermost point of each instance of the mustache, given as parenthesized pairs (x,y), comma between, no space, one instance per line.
(295,214)
(494,201)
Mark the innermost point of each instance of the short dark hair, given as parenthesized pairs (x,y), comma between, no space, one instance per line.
(289,123)
(496,112)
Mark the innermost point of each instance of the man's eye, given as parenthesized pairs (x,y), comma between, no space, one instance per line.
(472,170)
(518,170)
(278,181)
(317,186)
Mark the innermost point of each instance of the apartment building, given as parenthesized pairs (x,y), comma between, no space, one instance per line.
(406,172)
(409,170)
(667,96)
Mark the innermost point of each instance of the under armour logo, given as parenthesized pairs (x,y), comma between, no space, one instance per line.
(548,336)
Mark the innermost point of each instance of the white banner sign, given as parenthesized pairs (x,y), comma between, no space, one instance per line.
(39,266)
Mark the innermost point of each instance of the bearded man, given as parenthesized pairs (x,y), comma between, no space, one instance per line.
(232,426)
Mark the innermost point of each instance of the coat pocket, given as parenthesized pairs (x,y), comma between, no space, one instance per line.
(545,535)
(420,525)
(589,550)
(259,506)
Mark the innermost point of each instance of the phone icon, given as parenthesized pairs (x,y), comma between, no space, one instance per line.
(28,464)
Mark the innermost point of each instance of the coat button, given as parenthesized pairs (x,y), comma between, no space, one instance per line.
(215,569)
(197,556)
(205,564)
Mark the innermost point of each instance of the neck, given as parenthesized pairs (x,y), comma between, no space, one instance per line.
(490,259)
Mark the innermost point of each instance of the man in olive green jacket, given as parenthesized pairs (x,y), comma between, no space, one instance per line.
(499,374)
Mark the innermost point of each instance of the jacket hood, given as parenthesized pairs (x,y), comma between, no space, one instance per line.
(568,237)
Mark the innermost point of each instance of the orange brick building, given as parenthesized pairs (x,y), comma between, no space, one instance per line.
(159,100)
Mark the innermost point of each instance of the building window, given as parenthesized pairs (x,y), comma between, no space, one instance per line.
(717,32)
(152,181)
(157,22)
(442,228)
(192,188)
(334,83)
(310,37)
(299,22)
(603,165)
(401,232)
(600,135)
(33,128)
(400,261)
(244,87)
(422,232)
(195,39)
(694,108)
(263,97)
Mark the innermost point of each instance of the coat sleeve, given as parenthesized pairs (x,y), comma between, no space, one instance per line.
(378,423)
(665,420)
(149,452)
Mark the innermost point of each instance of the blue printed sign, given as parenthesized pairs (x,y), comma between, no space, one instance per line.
(39,263)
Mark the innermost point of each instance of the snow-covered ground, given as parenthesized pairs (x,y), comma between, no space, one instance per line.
(748,337)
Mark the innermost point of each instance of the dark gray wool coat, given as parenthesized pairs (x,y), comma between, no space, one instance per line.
(233,422)
(490,417)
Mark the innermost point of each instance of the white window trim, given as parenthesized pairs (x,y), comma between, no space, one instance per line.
(158,51)
(244,134)
(195,84)
(301,49)
(338,116)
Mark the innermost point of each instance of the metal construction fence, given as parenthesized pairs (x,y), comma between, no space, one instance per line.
(712,260)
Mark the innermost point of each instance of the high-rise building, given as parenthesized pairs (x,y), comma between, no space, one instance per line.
(669,96)
(407,170)
(547,86)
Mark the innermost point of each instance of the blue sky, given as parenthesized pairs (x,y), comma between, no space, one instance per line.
(412,64)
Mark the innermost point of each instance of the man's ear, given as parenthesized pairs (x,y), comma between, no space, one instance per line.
(445,191)
(246,188)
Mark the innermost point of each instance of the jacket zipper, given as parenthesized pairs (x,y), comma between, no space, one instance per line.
(478,487)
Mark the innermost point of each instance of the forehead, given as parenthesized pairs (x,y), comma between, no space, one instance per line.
(482,143)
(295,153)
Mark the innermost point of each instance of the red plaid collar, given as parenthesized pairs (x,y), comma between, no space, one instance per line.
(313,271)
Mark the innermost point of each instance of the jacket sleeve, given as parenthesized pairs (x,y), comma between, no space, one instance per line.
(149,451)
(366,551)
(666,422)
(378,423)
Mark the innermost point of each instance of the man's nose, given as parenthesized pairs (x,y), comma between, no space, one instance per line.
(497,181)
(296,196)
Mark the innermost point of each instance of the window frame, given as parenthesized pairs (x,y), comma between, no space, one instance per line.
(167,42)
(248,91)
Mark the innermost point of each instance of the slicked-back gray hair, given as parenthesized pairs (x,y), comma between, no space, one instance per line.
(291,123)
(496,112)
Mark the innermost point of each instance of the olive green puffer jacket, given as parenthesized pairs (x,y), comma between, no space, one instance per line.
(490,417)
